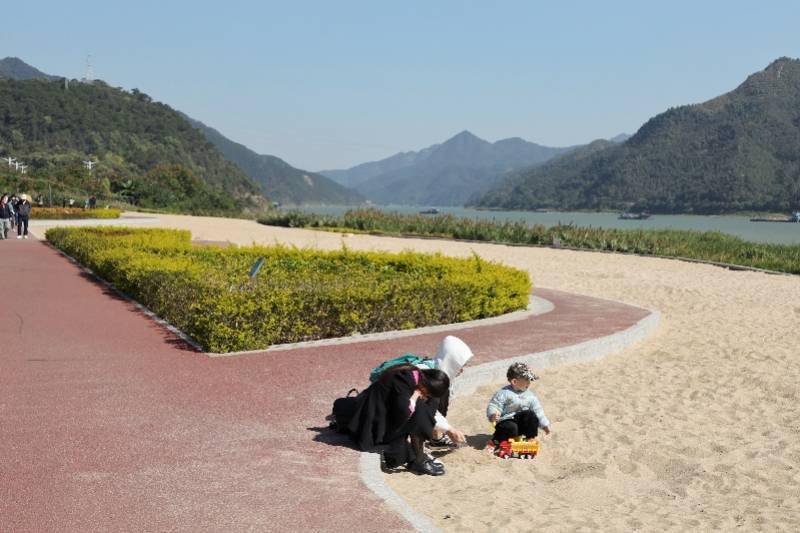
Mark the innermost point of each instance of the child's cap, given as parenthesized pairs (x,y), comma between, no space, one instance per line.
(521,370)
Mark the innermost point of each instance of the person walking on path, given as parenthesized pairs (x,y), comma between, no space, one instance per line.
(23,212)
(6,213)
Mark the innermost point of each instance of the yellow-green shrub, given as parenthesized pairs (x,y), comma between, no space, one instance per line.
(68,213)
(298,294)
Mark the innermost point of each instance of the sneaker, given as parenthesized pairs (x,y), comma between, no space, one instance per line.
(444,442)
(19,236)
(25,237)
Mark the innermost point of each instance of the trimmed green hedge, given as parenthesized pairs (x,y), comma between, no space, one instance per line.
(298,295)
(68,213)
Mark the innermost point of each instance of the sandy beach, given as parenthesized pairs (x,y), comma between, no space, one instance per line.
(697,428)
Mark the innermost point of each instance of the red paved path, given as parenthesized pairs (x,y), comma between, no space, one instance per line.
(109,423)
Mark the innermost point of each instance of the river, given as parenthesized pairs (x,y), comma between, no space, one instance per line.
(764,232)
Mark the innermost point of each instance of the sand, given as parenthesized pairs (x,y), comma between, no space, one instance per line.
(697,428)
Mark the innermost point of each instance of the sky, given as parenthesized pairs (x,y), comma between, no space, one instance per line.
(327,85)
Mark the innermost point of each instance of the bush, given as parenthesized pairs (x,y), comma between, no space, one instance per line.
(298,295)
(68,213)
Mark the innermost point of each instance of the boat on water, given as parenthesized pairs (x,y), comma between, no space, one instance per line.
(634,216)
(432,211)
(794,217)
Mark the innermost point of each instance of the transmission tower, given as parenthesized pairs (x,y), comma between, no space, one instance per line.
(89,72)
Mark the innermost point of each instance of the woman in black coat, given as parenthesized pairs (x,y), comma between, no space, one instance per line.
(398,411)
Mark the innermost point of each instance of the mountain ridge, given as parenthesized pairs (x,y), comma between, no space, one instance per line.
(268,174)
(278,179)
(735,152)
(15,68)
(447,173)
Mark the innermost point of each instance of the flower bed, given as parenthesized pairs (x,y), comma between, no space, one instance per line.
(297,295)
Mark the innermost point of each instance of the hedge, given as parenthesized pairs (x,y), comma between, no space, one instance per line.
(68,213)
(298,295)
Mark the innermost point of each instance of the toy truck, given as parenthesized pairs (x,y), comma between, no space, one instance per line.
(516,448)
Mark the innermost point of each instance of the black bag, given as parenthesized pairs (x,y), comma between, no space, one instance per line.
(343,410)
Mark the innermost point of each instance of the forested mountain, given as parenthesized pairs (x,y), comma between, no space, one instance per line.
(17,69)
(142,148)
(737,152)
(449,173)
(278,179)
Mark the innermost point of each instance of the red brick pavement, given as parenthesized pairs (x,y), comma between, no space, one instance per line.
(110,423)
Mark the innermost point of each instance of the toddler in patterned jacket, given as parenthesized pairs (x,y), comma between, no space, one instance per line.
(515,409)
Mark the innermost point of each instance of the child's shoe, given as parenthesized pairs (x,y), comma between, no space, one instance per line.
(444,442)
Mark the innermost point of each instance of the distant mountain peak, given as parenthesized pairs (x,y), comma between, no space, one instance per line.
(465,135)
(464,140)
(17,69)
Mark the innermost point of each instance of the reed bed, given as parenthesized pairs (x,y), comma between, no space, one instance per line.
(709,246)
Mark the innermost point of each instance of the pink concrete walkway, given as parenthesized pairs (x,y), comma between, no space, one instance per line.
(110,423)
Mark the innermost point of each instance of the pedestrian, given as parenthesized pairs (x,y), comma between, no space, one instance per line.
(23,212)
(6,214)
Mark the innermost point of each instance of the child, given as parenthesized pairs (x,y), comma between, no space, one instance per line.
(515,409)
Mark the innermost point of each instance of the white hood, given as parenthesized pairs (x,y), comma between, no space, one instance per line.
(452,355)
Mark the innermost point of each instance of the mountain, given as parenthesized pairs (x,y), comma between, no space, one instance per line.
(449,173)
(142,148)
(279,180)
(737,152)
(353,177)
(16,69)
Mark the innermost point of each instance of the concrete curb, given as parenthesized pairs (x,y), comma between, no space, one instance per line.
(369,466)
(477,376)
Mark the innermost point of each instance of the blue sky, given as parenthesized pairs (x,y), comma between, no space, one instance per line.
(333,84)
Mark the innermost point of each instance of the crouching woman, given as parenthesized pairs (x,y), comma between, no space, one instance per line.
(397,412)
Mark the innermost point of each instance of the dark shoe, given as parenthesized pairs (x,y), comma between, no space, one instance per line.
(437,463)
(425,468)
(388,464)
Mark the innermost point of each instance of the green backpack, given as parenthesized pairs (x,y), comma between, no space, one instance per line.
(407,359)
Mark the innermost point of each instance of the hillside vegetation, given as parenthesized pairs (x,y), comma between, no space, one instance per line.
(146,153)
(737,152)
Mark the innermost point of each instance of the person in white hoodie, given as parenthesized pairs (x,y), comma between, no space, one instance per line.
(450,358)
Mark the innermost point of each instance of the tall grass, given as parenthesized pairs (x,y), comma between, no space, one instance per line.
(705,246)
